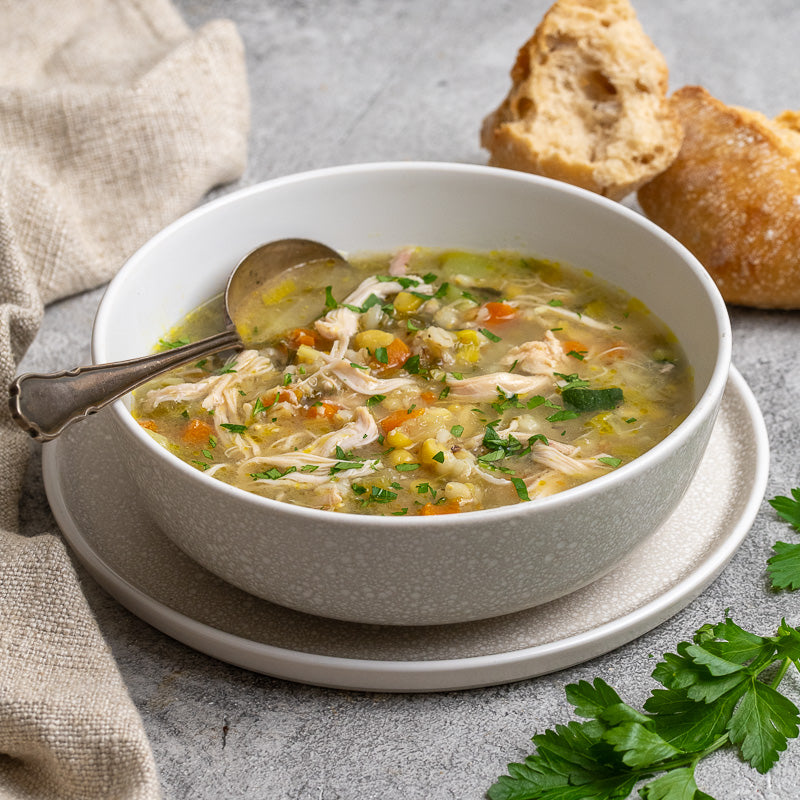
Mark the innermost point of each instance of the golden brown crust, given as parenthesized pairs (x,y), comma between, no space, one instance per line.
(588,102)
(732,196)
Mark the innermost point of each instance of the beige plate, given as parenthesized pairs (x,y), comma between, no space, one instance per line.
(101,518)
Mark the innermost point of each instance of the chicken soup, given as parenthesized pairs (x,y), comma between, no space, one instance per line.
(424,382)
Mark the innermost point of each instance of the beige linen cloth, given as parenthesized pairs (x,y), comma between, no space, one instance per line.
(115,118)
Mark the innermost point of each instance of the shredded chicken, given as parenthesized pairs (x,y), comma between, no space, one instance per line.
(300,459)
(574,316)
(248,364)
(536,357)
(399,263)
(362,382)
(484,388)
(548,455)
(359,433)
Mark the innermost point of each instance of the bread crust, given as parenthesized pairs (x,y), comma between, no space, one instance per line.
(587,103)
(732,196)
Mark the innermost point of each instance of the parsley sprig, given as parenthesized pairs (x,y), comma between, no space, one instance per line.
(720,689)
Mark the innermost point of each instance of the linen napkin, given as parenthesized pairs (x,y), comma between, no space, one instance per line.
(115,118)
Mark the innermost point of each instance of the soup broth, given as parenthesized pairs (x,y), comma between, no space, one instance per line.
(424,382)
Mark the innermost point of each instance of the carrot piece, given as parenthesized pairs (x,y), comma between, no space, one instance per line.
(322,411)
(431,509)
(397,418)
(429,397)
(300,336)
(397,353)
(574,347)
(149,424)
(197,431)
(499,312)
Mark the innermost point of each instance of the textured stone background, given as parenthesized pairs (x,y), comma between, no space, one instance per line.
(362,80)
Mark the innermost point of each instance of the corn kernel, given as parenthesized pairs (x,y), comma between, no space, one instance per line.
(372,339)
(406,303)
(461,492)
(307,355)
(400,457)
(468,336)
(428,449)
(397,438)
(468,354)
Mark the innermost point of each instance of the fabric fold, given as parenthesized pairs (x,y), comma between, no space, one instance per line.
(115,119)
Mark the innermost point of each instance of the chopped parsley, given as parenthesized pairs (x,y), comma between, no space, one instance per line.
(272,474)
(233,428)
(583,399)
(521,489)
(172,344)
(382,355)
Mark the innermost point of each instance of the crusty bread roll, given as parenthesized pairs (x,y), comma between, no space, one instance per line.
(732,196)
(587,103)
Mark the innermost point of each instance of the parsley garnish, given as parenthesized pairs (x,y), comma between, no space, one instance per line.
(610,461)
(521,489)
(499,448)
(272,474)
(382,355)
(493,337)
(330,302)
(784,565)
(406,467)
(720,690)
(587,400)
(171,345)
(561,415)
(258,406)
(375,399)
(457,430)
(233,428)
(411,365)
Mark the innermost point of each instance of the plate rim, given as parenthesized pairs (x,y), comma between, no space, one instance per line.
(449,674)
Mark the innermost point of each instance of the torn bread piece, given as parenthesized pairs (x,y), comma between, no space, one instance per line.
(732,197)
(588,102)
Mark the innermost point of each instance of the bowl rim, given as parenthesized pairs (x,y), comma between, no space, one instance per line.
(706,404)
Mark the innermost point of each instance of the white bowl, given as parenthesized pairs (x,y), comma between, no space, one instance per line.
(415,570)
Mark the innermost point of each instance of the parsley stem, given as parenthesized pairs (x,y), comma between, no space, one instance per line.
(785,664)
(684,760)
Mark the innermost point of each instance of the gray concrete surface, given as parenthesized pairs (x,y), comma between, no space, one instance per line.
(360,80)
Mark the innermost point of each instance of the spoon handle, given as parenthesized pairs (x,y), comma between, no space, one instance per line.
(43,405)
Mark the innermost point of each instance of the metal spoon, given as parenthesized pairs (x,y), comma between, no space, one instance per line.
(44,405)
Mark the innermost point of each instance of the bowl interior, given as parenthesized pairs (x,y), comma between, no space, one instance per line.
(381,207)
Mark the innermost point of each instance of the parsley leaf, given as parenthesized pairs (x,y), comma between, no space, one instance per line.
(233,428)
(587,400)
(784,565)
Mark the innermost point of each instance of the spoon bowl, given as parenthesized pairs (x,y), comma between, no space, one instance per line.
(45,404)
